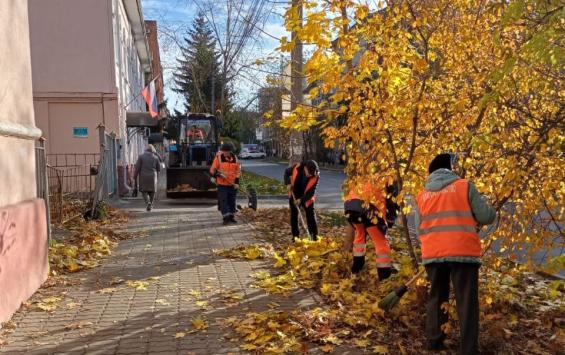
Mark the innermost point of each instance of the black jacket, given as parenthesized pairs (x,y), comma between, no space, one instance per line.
(300,183)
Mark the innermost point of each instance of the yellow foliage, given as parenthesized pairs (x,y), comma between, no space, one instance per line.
(423,77)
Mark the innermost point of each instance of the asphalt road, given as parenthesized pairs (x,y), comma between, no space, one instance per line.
(328,193)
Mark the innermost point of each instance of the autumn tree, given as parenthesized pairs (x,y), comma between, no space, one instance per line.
(416,78)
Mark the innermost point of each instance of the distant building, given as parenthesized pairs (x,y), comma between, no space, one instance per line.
(23,226)
(156,68)
(90,61)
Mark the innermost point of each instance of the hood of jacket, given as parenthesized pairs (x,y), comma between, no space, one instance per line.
(440,179)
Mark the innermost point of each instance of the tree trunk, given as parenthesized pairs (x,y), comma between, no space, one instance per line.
(296,137)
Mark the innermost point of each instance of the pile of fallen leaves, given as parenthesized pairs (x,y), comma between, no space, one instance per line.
(249,252)
(89,242)
(520,312)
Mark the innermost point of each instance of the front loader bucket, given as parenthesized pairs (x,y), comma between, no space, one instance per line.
(191,182)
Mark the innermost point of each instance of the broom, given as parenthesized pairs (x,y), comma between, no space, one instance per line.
(390,300)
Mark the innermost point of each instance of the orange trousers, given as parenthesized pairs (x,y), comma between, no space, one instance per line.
(382,248)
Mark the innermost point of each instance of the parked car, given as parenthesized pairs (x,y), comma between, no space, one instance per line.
(250,153)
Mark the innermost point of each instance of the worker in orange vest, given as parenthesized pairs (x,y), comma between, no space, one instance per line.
(302,180)
(449,213)
(195,133)
(373,220)
(225,171)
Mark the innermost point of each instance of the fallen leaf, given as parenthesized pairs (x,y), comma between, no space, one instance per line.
(108,290)
(180,335)
(248,347)
(202,304)
(362,343)
(73,305)
(199,323)
(78,325)
(162,302)
(380,349)
(138,285)
(328,348)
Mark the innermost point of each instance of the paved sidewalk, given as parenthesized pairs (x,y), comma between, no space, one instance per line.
(177,261)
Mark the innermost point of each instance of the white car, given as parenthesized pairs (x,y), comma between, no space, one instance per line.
(247,154)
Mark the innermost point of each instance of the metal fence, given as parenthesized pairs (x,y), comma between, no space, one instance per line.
(69,182)
(42,180)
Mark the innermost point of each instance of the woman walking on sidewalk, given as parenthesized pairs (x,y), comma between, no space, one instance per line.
(147,167)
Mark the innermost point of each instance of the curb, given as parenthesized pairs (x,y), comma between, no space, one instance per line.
(321,167)
(264,197)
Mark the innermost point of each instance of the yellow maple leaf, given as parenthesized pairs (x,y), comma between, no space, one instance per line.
(362,343)
(279,261)
(248,346)
(252,252)
(72,266)
(326,289)
(138,285)
(202,304)
(180,335)
(380,349)
(199,323)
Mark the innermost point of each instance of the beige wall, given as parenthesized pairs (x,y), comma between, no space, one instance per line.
(17,124)
(71,46)
(57,116)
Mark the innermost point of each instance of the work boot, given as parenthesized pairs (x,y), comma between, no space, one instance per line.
(232,219)
(358,263)
(385,272)
(226,221)
(435,345)
(149,207)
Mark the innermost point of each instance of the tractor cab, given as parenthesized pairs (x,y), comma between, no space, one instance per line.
(191,155)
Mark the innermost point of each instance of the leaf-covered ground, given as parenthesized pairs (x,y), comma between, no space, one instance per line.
(521,313)
(76,245)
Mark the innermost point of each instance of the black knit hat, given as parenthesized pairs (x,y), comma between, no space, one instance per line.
(226,147)
(312,167)
(441,161)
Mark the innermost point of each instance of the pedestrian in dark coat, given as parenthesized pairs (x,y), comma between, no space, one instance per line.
(147,167)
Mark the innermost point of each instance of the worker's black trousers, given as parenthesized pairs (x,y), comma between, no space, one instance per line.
(226,200)
(310,220)
(465,279)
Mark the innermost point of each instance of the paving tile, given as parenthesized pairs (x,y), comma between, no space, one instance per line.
(130,321)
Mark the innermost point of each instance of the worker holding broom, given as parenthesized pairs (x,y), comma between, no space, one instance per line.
(372,217)
(225,172)
(302,180)
(449,213)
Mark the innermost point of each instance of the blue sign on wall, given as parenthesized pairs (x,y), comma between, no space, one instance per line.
(80,132)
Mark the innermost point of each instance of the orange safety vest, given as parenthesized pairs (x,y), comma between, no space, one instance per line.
(230,169)
(311,183)
(447,225)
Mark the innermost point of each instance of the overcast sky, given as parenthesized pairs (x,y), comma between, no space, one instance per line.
(175,16)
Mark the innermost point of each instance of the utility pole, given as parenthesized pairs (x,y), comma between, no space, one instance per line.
(296,97)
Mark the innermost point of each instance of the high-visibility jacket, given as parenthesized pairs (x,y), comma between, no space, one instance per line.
(447,226)
(227,170)
(311,184)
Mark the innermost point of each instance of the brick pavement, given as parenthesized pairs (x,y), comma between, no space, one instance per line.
(177,260)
